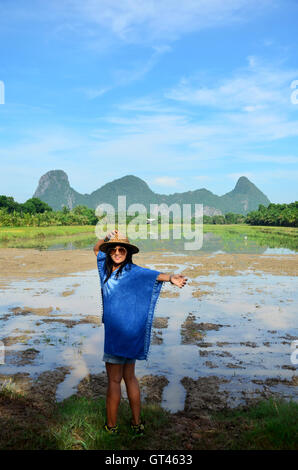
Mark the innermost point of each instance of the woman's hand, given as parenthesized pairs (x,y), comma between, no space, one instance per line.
(178,280)
(100,242)
(112,234)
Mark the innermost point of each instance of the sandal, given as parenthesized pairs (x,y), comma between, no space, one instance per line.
(111,429)
(138,429)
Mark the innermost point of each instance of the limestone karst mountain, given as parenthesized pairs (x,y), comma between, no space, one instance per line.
(55,190)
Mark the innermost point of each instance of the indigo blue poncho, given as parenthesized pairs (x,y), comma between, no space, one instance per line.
(128,307)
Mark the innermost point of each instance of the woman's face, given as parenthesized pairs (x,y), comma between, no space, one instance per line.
(118,254)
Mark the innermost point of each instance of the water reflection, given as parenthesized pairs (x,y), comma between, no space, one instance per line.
(212,243)
(228,332)
(221,240)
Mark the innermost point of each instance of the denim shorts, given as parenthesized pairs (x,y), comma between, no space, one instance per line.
(117,359)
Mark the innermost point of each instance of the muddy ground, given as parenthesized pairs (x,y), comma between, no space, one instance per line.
(202,395)
(33,410)
(17,263)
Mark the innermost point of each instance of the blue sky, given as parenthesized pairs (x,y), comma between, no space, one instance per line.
(184,95)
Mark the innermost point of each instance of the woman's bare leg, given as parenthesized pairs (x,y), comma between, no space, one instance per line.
(133,391)
(115,373)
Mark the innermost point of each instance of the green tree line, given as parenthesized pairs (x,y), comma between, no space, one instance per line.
(35,212)
(280,215)
(283,215)
(31,206)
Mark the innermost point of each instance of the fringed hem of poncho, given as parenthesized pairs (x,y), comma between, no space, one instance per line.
(152,309)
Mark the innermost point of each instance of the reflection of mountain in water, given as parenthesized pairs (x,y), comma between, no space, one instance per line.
(211,243)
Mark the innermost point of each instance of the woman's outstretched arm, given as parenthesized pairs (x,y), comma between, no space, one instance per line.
(175,279)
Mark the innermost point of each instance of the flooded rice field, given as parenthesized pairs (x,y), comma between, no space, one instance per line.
(222,340)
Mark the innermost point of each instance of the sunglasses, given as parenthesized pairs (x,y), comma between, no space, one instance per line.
(121,250)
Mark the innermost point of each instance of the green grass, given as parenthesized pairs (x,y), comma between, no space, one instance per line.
(250,229)
(44,237)
(14,233)
(270,425)
(9,390)
(77,424)
(81,420)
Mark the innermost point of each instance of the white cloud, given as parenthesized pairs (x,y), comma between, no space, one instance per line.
(139,69)
(202,177)
(133,72)
(42,149)
(92,93)
(279,159)
(261,176)
(252,88)
(167,181)
(151,20)
(251,107)
(148,104)
(158,131)
(236,176)
(133,21)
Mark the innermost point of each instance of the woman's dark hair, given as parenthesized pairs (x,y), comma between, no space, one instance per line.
(109,263)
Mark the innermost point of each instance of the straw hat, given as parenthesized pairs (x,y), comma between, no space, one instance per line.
(119,239)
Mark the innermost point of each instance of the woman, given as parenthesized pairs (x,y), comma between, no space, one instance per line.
(129,296)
